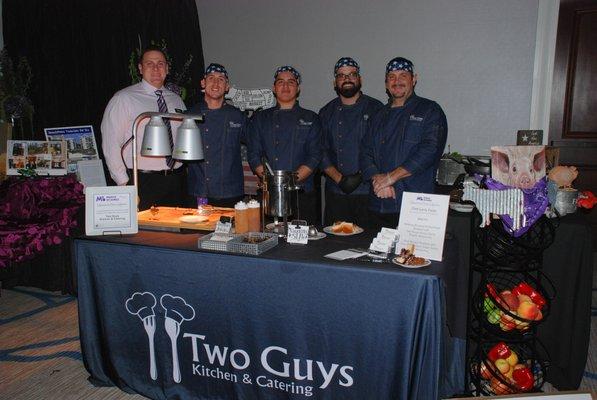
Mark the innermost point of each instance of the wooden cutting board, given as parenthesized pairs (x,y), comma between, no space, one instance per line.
(168,218)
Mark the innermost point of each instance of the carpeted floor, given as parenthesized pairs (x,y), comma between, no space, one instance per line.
(40,357)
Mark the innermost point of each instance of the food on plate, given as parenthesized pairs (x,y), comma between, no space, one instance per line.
(343,227)
(407,256)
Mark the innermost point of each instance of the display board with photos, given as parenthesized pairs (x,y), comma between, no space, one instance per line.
(80,143)
(44,157)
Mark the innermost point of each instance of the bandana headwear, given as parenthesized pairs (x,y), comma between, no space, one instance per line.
(346,62)
(399,63)
(213,67)
(288,68)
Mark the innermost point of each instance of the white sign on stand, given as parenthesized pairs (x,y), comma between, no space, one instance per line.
(223,227)
(298,234)
(423,219)
(111,210)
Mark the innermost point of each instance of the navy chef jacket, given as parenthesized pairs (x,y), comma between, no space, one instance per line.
(220,173)
(412,136)
(343,129)
(288,138)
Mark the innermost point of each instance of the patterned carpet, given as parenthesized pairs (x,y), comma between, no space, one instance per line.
(40,357)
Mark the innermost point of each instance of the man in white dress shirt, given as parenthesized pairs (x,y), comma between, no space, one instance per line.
(159,182)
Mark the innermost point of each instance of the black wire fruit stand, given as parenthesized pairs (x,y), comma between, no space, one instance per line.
(501,267)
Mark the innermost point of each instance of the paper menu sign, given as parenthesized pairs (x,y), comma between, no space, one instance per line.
(111,210)
(223,227)
(298,234)
(423,219)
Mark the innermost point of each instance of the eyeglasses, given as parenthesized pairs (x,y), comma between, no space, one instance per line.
(351,76)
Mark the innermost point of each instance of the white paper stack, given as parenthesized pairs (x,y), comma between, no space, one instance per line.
(385,240)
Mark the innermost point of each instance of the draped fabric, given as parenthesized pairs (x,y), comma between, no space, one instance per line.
(381,331)
(35,214)
(79,50)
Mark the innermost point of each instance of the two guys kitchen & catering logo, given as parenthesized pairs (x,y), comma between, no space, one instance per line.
(220,362)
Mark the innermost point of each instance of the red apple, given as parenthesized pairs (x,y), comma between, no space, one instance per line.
(524,379)
(528,310)
(539,316)
(510,299)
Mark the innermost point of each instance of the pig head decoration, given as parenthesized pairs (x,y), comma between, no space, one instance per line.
(518,166)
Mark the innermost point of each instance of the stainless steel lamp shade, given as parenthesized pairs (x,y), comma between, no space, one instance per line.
(188,145)
(155,139)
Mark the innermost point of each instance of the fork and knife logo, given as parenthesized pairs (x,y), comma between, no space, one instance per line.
(177,310)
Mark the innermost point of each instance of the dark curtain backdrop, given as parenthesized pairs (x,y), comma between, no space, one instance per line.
(79,50)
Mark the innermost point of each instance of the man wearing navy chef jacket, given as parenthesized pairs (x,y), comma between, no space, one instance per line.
(289,136)
(219,176)
(344,122)
(403,146)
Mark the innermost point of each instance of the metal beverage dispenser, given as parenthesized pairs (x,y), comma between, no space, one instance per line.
(277,200)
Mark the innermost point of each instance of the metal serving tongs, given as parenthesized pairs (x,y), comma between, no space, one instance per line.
(268,167)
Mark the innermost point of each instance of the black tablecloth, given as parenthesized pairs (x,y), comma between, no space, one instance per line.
(566,332)
(384,324)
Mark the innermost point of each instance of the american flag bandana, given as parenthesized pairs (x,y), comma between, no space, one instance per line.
(288,68)
(346,62)
(399,63)
(213,67)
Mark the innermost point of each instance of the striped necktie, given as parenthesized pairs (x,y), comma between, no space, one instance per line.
(163,108)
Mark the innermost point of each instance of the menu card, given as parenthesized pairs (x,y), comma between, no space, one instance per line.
(111,210)
(298,234)
(423,219)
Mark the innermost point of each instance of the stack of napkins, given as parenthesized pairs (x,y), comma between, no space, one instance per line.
(385,240)
(345,254)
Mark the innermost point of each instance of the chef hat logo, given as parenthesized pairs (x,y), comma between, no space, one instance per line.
(177,308)
(141,304)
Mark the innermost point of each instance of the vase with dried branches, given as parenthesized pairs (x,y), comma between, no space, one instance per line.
(16,107)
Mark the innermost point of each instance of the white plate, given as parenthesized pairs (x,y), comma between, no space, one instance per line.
(427,262)
(271,225)
(320,235)
(193,219)
(466,208)
(357,230)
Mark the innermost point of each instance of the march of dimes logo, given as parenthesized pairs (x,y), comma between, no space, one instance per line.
(215,362)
